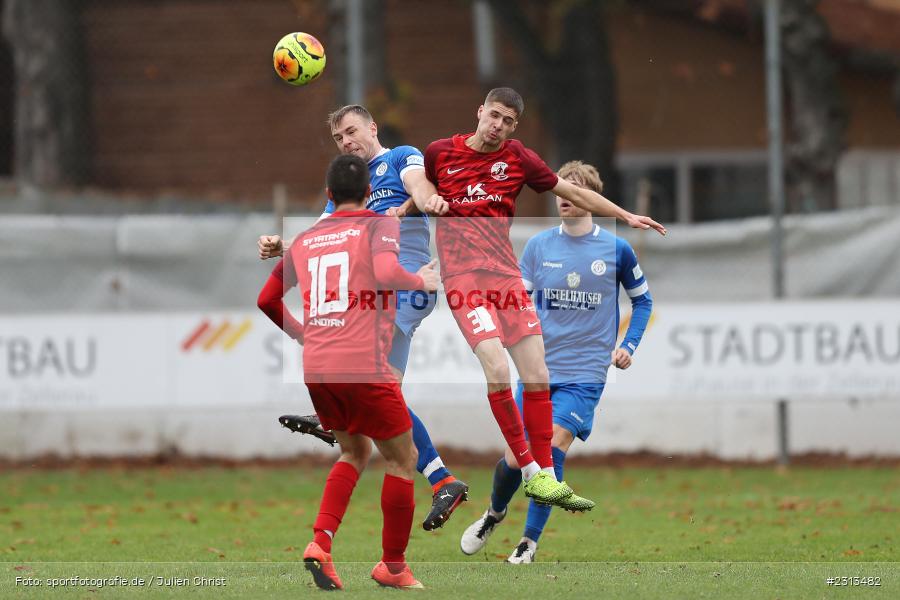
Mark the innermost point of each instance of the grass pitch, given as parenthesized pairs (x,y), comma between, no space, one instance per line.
(656,533)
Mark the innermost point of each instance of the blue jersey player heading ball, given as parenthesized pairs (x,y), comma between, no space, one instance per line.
(574,272)
(397,175)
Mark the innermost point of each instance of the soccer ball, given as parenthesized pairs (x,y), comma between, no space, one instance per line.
(299,58)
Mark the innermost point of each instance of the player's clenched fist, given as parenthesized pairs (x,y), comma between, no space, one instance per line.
(269,246)
(622,358)
(395,211)
(436,205)
(429,276)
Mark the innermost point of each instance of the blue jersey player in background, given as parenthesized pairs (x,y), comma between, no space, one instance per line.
(396,175)
(574,272)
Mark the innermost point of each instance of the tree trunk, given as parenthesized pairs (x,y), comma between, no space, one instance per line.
(386,98)
(51,91)
(817,115)
(586,129)
(336,48)
(575,84)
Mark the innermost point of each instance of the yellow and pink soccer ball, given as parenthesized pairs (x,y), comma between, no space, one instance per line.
(299,58)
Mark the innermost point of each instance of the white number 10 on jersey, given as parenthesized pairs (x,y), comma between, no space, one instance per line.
(318,270)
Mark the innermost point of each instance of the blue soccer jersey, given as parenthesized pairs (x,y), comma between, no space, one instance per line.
(386,173)
(575,283)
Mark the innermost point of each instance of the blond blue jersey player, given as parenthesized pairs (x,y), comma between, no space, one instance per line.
(396,176)
(574,272)
(387,170)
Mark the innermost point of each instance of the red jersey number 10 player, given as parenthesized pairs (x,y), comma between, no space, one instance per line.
(344,265)
(478,177)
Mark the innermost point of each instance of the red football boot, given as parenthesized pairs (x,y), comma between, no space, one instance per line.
(403,580)
(318,562)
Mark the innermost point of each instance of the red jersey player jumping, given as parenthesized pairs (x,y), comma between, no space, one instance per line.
(346,267)
(478,177)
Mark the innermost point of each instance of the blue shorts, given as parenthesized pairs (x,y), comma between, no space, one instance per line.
(412,307)
(573,405)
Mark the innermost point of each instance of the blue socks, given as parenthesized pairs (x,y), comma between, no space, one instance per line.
(430,464)
(506,482)
(537,513)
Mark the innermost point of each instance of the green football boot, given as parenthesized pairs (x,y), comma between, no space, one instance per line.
(575,503)
(543,488)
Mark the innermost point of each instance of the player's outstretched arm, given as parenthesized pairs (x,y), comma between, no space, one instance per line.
(603,207)
(270,246)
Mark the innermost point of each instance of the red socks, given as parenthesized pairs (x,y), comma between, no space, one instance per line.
(538,416)
(335,498)
(510,421)
(398,505)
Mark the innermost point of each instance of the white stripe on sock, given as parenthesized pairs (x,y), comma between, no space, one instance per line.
(432,467)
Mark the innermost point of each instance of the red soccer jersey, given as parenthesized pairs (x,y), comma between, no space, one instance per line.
(347,321)
(481,188)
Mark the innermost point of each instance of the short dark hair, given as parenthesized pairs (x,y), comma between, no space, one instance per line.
(507,97)
(347,179)
(356,109)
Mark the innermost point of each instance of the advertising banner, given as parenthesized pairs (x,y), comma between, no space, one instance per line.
(719,352)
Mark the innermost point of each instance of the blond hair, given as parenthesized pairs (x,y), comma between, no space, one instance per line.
(582,175)
(337,116)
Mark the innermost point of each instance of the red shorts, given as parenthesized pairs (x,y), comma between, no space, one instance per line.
(373,409)
(491,305)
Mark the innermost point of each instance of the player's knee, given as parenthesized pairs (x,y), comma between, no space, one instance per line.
(403,464)
(562,438)
(357,462)
(358,456)
(496,370)
(536,377)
